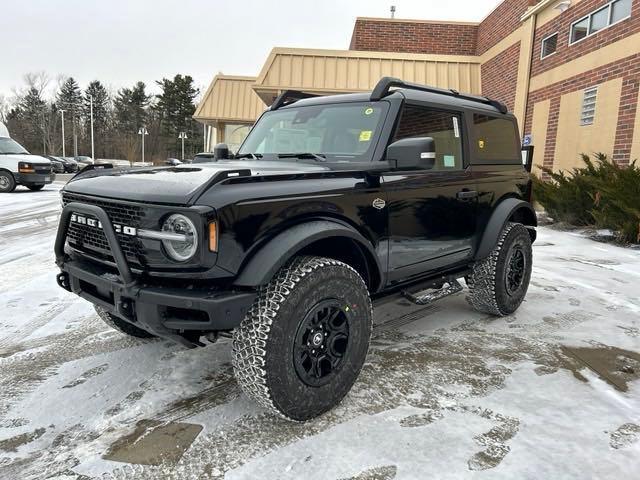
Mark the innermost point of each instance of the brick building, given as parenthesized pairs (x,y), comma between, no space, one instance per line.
(568,69)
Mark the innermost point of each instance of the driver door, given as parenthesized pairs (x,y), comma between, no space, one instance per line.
(432,213)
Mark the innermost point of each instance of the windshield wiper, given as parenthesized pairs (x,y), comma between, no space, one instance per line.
(318,157)
(253,156)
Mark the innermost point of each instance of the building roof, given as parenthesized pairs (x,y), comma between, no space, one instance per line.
(328,72)
(229,99)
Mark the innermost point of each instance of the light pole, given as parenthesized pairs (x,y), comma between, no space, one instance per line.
(142,132)
(183,137)
(93,157)
(62,113)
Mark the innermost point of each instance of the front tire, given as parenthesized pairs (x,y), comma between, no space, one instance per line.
(7,182)
(120,325)
(499,283)
(302,344)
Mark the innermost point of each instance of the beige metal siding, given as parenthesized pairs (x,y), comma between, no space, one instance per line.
(230,99)
(338,71)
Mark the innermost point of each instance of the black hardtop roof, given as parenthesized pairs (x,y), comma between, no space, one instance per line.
(436,96)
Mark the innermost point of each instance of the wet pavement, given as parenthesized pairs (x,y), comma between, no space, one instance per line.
(549,392)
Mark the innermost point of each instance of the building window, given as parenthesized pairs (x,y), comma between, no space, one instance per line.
(602,18)
(549,45)
(589,106)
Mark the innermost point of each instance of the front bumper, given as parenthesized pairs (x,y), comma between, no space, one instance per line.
(34,178)
(165,311)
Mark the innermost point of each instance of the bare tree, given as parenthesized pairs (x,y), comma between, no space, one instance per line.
(5,106)
(38,80)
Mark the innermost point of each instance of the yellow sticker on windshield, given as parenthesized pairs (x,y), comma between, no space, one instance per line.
(481,143)
(365,135)
(368,111)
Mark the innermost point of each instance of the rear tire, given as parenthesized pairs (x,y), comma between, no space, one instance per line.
(120,325)
(35,188)
(499,283)
(7,182)
(301,346)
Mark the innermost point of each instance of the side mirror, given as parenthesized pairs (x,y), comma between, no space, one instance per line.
(527,157)
(417,153)
(220,152)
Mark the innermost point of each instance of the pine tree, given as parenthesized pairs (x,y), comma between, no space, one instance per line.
(101,113)
(69,99)
(29,118)
(176,105)
(131,108)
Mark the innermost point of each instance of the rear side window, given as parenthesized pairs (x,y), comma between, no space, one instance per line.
(496,140)
(443,127)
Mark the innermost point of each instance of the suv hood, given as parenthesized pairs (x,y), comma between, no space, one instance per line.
(177,185)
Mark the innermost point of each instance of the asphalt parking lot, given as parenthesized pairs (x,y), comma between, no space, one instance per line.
(549,392)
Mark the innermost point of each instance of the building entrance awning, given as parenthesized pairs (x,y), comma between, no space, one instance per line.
(229,99)
(328,72)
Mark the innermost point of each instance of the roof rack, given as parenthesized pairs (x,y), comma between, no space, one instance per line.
(381,90)
(289,96)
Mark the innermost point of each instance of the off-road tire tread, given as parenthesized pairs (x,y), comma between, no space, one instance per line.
(250,338)
(121,325)
(482,280)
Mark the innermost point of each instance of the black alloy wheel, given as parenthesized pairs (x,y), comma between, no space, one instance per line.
(321,343)
(516,268)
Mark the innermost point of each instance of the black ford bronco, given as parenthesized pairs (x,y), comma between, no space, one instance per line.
(330,205)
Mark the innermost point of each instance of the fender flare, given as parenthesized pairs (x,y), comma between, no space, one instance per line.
(499,218)
(272,256)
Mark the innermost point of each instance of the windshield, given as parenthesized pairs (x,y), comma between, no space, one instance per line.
(8,146)
(339,132)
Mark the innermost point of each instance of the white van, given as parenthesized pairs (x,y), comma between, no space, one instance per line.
(19,167)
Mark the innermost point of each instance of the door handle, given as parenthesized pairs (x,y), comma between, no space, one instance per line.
(467,194)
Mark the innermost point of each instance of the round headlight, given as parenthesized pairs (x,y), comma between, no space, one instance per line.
(180,250)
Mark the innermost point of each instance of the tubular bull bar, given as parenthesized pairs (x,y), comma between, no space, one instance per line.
(163,311)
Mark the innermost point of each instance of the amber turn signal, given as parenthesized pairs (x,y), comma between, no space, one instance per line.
(24,167)
(213,236)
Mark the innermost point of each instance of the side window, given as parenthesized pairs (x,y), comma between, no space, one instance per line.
(443,127)
(496,140)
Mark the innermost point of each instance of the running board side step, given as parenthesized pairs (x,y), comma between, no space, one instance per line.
(430,295)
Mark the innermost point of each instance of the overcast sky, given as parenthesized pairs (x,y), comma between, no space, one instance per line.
(120,42)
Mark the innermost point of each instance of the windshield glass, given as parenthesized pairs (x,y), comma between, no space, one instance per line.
(340,132)
(8,146)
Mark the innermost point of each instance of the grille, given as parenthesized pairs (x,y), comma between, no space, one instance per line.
(92,240)
(41,168)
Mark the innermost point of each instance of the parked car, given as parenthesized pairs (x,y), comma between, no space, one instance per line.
(331,204)
(70,165)
(19,167)
(204,157)
(83,160)
(172,161)
(56,164)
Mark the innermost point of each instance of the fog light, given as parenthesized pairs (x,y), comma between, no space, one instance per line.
(185,248)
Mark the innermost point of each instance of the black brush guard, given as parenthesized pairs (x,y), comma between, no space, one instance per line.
(163,311)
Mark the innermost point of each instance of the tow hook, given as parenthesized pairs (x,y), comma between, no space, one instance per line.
(63,280)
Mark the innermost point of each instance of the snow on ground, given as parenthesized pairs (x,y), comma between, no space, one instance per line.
(549,392)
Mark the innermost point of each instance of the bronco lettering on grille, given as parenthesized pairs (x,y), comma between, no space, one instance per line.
(92,222)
